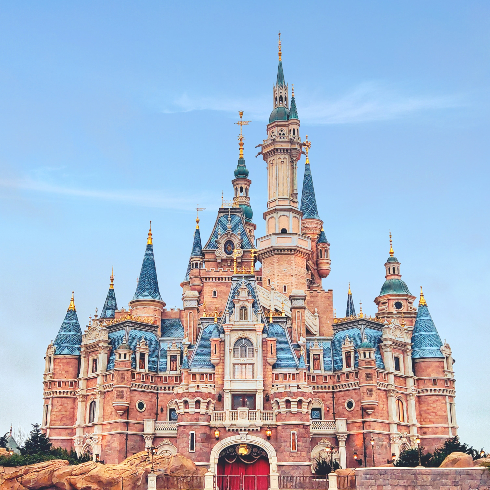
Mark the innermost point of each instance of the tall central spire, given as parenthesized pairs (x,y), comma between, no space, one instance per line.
(280,73)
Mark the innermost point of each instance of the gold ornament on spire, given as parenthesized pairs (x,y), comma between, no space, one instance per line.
(292,91)
(391,247)
(307,145)
(349,292)
(280,51)
(72,302)
(283,313)
(253,255)
(111,286)
(197,217)
(241,123)
(422,301)
(270,315)
(150,239)
(361,314)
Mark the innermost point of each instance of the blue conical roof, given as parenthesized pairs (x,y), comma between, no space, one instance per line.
(148,283)
(280,75)
(69,338)
(196,245)
(351,310)
(293,111)
(308,199)
(322,237)
(425,338)
(110,305)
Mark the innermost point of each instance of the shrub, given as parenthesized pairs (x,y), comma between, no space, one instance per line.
(323,467)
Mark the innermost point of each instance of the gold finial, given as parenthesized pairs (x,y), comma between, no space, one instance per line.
(216,316)
(391,247)
(150,240)
(222,199)
(280,51)
(403,324)
(241,123)
(307,145)
(270,315)
(422,301)
(112,279)
(349,292)
(197,217)
(283,313)
(235,255)
(361,314)
(204,309)
(72,302)
(292,91)
(334,313)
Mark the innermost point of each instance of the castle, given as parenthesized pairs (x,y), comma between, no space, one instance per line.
(255,368)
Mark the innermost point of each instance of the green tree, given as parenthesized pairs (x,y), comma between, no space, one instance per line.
(36,443)
(451,446)
(410,458)
(3,440)
(323,467)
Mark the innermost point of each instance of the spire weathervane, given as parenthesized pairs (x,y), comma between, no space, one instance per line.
(349,292)
(197,217)
(241,123)
(111,286)
(422,301)
(307,145)
(280,51)
(391,247)
(150,239)
(72,302)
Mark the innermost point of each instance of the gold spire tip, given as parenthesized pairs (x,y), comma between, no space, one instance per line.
(349,292)
(280,51)
(307,145)
(112,279)
(292,91)
(72,302)
(241,123)
(391,247)
(197,217)
(150,239)
(422,301)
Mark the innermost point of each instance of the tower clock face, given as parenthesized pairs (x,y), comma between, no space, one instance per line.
(229,247)
(398,305)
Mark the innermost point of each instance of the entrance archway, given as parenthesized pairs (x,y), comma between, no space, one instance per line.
(250,441)
(243,467)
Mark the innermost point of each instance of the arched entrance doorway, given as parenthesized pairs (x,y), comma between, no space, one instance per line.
(243,466)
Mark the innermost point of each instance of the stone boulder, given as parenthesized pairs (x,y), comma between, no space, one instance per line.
(131,473)
(346,472)
(457,460)
(482,462)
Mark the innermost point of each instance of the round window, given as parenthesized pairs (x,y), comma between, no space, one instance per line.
(349,404)
(229,247)
(398,305)
(140,406)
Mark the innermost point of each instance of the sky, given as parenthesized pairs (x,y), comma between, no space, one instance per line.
(116,113)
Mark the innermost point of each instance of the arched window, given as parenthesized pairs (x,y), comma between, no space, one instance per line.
(400,410)
(280,99)
(243,348)
(215,293)
(243,313)
(91,412)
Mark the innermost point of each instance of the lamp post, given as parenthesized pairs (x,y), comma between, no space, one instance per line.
(482,453)
(216,434)
(417,441)
(372,448)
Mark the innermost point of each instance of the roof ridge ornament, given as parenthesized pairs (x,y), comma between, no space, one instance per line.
(422,301)
(72,302)
(111,285)
(150,238)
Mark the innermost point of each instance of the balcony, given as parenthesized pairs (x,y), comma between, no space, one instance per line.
(241,418)
(323,427)
(165,428)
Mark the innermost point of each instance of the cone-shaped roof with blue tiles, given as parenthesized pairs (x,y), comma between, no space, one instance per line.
(350,310)
(196,245)
(426,342)
(148,283)
(280,75)
(110,305)
(308,199)
(293,111)
(322,238)
(69,338)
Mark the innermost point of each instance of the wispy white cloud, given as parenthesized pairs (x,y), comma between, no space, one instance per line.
(370,101)
(152,199)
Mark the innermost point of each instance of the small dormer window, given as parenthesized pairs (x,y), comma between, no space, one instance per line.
(142,361)
(243,348)
(348,360)
(243,313)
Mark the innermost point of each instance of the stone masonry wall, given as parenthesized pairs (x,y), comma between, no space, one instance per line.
(422,479)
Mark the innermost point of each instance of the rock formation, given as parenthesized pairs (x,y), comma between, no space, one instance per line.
(131,474)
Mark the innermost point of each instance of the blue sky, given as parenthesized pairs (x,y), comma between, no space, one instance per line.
(115,113)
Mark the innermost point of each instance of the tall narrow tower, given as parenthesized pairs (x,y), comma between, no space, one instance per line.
(283,251)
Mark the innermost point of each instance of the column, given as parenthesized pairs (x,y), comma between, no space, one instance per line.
(226,387)
(341,438)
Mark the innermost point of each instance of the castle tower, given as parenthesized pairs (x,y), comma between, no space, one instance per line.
(61,381)
(350,310)
(110,305)
(241,184)
(436,412)
(147,301)
(395,298)
(196,261)
(283,247)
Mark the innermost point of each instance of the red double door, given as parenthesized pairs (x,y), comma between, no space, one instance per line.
(243,476)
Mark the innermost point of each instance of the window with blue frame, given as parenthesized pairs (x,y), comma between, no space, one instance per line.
(316,414)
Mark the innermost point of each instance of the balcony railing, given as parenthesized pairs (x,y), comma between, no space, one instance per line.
(165,428)
(323,426)
(242,417)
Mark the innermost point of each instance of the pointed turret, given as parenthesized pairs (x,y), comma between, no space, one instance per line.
(69,338)
(110,305)
(308,199)
(280,111)
(350,311)
(293,111)
(426,342)
(280,73)
(147,288)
